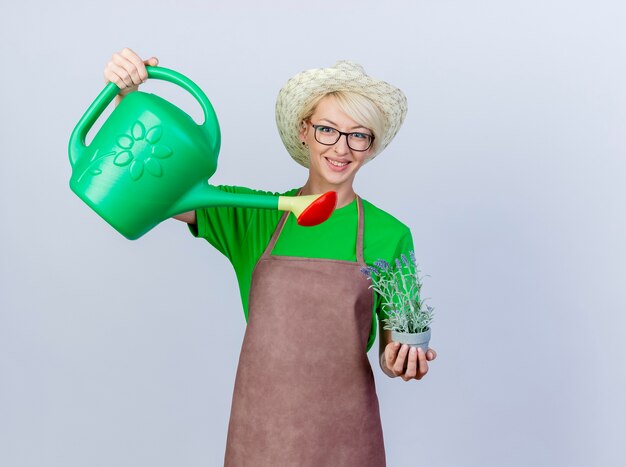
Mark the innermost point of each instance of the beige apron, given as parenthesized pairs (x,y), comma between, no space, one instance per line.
(304,393)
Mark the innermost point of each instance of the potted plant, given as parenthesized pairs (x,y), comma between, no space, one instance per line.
(400,287)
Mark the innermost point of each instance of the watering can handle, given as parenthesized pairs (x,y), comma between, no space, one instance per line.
(210,124)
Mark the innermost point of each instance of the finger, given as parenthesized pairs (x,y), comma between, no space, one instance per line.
(117,59)
(431,354)
(128,52)
(132,64)
(411,367)
(111,75)
(119,76)
(152,61)
(139,64)
(423,364)
(398,366)
(120,72)
(391,352)
(136,60)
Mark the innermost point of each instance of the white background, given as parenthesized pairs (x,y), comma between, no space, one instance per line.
(509,170)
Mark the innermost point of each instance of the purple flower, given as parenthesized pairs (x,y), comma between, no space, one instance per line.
(382,264)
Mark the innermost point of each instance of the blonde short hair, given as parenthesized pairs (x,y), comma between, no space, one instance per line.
(358,107)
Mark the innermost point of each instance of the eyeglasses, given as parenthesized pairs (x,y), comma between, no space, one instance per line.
(357,141)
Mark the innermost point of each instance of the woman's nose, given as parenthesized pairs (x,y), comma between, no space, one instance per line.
(341,146)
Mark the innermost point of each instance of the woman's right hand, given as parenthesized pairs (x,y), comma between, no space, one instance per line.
(127,70)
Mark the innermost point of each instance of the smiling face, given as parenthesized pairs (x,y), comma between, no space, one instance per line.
(333,167)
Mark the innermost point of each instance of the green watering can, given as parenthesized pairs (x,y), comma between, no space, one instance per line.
(150,161)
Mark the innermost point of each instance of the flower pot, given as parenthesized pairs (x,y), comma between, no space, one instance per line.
(414,339)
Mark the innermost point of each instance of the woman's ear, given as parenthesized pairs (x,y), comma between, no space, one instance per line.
(303,131)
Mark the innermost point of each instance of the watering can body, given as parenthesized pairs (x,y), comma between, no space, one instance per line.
(150,161)
(147,157)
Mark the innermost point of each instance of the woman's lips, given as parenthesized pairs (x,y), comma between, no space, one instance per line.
(337,166)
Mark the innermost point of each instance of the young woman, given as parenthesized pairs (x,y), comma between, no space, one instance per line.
(304,393)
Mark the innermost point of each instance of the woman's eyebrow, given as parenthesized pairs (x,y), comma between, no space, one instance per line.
(353,128)
(329,121)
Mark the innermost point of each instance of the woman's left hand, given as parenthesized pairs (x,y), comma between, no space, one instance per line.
(406,361)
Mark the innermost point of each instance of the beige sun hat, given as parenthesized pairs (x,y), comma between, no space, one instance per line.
(343,76)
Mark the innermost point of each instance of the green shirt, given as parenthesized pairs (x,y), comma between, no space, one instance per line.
(242,234)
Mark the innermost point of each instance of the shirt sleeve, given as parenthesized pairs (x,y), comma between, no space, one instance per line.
(223,227)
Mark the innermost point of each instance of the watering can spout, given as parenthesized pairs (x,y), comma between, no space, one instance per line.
(309,210)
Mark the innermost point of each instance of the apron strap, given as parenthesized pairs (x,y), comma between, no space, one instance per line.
(279,228)
(359,236)
(277,231)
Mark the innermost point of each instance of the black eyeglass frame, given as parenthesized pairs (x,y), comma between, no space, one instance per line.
(342,133)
